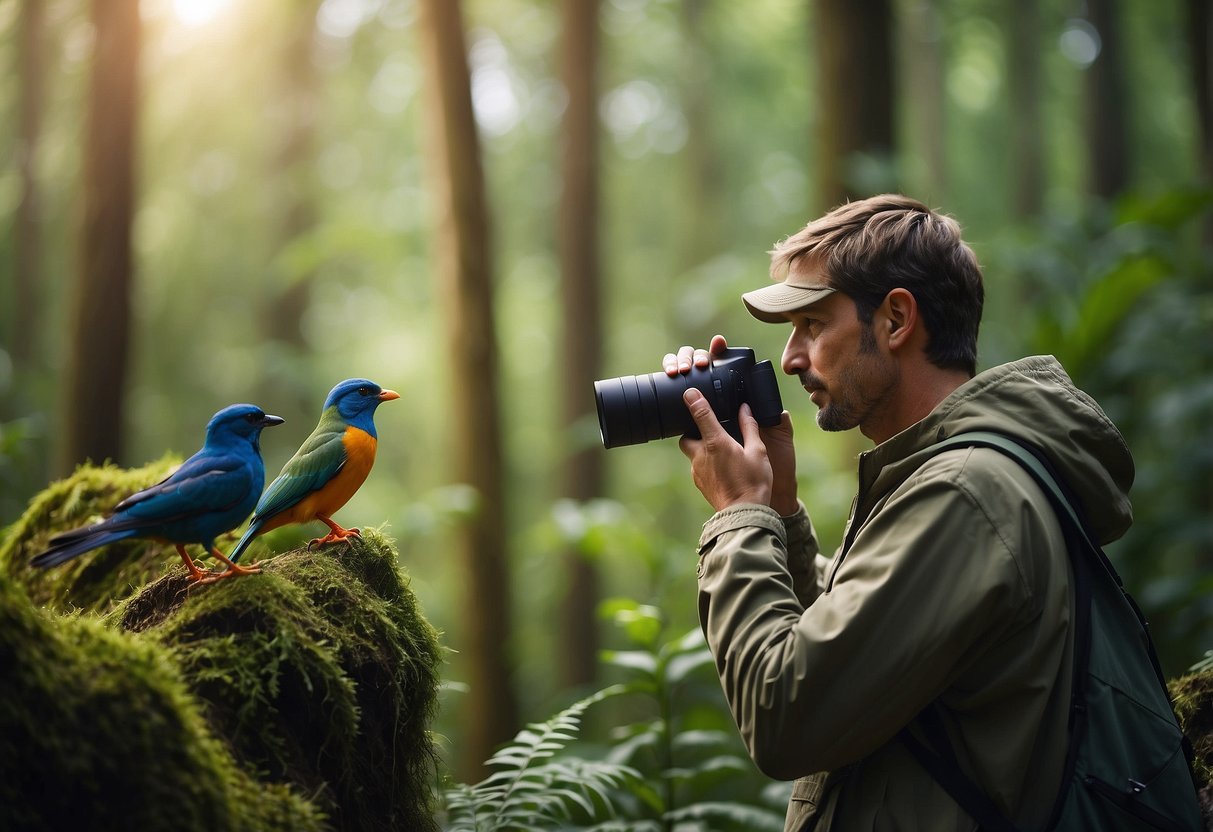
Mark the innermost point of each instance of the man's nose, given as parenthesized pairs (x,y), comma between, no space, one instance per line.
(795,359)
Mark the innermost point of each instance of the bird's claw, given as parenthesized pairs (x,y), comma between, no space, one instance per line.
(335,537)
(214,576)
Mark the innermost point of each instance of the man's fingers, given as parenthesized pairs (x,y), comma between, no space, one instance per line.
(686,358)
(701,412)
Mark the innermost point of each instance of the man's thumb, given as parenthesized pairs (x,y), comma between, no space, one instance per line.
(701,412)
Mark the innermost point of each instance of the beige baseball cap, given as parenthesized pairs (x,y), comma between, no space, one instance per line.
(797,291)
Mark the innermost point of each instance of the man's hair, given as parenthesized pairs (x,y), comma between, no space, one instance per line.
(869,247)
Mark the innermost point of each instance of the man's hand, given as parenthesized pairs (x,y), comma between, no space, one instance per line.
(725,472)
(776,443)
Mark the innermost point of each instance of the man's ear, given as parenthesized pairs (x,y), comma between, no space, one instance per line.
(899,317)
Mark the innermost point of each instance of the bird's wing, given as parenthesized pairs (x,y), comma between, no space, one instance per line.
(316,462)
(206,482)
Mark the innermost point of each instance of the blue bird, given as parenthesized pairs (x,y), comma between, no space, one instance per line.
(328,468)
(210,494)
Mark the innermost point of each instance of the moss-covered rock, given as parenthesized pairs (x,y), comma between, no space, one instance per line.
(321,671)
(96,580)
(98,730)
(299,698)
(1193,698)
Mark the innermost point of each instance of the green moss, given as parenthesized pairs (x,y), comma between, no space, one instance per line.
(172,705)
(95,580)
(99,725)
(1193,699)
(321,670)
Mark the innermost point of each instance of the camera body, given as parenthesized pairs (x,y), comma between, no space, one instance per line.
(635,409)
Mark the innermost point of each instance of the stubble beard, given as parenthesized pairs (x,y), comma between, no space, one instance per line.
(861,388)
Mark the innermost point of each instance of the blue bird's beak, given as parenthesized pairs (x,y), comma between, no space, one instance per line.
(388,395)
(269,421)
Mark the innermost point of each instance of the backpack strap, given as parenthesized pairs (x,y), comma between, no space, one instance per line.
(1088,561)
(940,759)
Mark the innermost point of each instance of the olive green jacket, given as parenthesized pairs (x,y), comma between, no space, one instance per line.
(956,588)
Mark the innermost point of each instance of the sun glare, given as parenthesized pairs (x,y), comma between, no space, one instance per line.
(198,12)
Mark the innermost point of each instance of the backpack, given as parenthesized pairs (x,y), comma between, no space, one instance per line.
(1128,765)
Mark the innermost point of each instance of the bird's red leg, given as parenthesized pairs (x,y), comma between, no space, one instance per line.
(233,569)
(196,574)
(337,534)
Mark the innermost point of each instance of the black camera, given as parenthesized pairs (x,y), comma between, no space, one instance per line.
(634,409)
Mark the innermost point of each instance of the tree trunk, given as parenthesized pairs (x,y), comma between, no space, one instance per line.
(1027,130)
(926,89)
(101,313)
(466,291)
(292,164)
(27,304)
(1107,97)
(699,236)
(579,270)
(1200,33)
(854,121)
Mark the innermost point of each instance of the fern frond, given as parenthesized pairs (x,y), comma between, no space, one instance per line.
(533,787)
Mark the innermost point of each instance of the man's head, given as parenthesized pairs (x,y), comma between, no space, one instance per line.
(868,248)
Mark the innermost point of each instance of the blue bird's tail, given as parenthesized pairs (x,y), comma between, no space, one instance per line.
(72,544)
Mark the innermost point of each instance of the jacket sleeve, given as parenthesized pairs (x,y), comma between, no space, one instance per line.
(816,686)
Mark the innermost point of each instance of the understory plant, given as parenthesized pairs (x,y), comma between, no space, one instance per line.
(670,760)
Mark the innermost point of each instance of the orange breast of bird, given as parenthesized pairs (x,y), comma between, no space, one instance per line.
(359,457)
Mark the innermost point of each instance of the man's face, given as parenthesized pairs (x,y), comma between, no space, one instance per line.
(838,361)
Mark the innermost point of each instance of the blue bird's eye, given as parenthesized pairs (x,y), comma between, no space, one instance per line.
(253,418)
(364,391)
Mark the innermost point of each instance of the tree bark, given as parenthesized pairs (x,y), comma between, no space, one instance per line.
(1107,97)
(582,321)
(96,369)
(292,164)
(854,122)
(463,267)
(1027,131)
(27,306)
(925,72)
(1200,33)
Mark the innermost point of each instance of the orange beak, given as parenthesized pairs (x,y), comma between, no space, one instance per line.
(388,395)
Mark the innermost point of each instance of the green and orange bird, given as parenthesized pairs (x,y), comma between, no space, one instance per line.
(328,468)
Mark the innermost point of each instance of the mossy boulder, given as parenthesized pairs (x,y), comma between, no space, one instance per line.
(299,698)
(1193,698)
(95,581)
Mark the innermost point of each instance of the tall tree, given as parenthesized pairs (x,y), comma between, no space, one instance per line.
(700,233)
(1107,94)
(293,166)
(464,270)
(96,369)
(925,74)
(1200,39)
(582,322)
(855,117)
(31,71)
(1023,87)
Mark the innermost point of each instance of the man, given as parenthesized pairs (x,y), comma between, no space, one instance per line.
(955,588)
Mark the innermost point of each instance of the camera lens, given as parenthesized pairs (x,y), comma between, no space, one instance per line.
(635,409)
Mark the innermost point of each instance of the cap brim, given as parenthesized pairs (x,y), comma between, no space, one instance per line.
(770,303)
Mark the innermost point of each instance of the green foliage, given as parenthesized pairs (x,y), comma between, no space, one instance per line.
(671,762)
(1124,297)
(696,771)
(533,789)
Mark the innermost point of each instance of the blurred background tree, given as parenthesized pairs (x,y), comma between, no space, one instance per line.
(301,207)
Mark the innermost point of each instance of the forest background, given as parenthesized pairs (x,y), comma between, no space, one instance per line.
(488,205)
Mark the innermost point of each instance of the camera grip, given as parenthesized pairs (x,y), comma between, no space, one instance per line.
(764,400)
